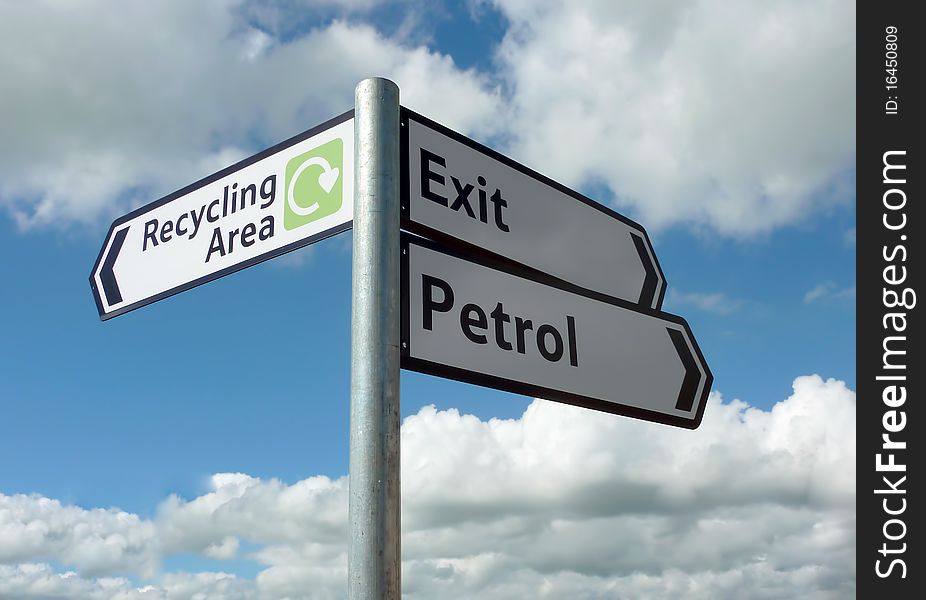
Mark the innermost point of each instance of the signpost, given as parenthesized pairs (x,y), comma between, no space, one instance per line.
(462,192)
(374,557)
(286,197)
(484,323)
(524,284)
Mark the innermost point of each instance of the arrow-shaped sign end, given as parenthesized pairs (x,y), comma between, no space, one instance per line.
(107,277)
(688,396)
(654,283)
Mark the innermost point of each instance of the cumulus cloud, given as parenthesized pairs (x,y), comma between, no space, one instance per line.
(738,116)
(104,114)
(40,581)
(567,493)
(95,541)
(560,503)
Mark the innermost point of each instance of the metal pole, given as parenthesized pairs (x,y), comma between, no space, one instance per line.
(374,558)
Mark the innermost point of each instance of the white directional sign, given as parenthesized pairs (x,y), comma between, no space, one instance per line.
(482,323)
(288,196)
(457,190)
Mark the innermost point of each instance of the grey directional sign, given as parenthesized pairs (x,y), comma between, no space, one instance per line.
(290,195)
(459,191)
(486,322)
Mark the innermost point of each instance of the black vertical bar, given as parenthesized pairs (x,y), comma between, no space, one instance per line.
(107,274)
(889,171)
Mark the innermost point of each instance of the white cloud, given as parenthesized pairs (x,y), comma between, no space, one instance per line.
(40,581)
(714,302)
(295,259)
(261,511)
(849,236)
(94,541)
(560,503)
(108,113)
(828,291)
(738,116)
(226,549)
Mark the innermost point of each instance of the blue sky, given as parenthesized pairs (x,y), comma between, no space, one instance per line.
(749,202)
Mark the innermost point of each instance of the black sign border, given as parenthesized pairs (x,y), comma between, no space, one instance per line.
(413,226)
(105,316)
(421,365)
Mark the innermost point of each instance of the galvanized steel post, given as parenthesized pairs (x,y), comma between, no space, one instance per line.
(374,557)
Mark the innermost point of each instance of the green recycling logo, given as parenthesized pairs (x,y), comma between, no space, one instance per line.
(313,185)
